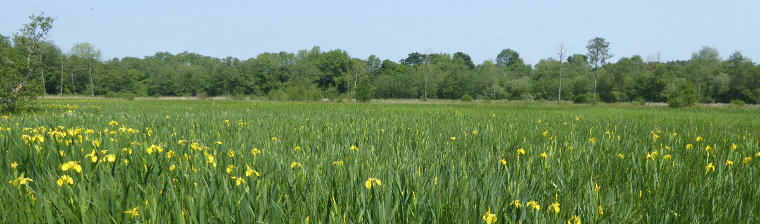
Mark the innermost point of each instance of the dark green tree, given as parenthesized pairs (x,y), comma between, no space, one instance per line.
(508,57)
(18,85)
(598,53)
(364,89)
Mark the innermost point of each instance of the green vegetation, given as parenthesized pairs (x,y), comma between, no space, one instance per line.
(204,161)
(314,74)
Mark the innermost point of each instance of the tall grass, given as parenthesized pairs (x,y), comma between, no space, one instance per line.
(435,163)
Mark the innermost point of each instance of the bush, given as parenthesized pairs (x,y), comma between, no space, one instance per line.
(364,90)
(640,101)
(684,95)
(586,98)
(467,98)
(526,97)
(738,103)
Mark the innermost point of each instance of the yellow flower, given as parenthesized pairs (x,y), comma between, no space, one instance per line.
(14,165)
(574,220)
(295,165)
(453,138)
(255,152)
(230,168)
(72,165)
(592,140)
(231,153)
(109,158)
(699,139)
(182,142)
(545,133)
(93,156)
(238,181)
(554,207)
(543,154)
(596,188)
(297,148)
(172,167)
(516,203)
(708,148)
(533,205)
(249,171)
(489,218)
(729,163)
(734,146)
(154,148)
(354,148)
(338,163)
(274,138)
(621,155)
(757,154)
(210,159)
(372,181)
(170,154)
(667,157)
(689,146)
(21,180)
(600,210)
(113,123)
(710,167)
(503,162)
(133,212)
(65,179)
(218,142)
(521,151)
(747,159)
(96,143)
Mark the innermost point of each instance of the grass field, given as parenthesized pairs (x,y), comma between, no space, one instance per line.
(158,161)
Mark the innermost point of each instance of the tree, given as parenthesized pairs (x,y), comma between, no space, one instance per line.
(464,59)
(364,90)
(14,91)
(598,53)
(703,66)
(682,94)
(561,50)
(415,59)
(88,52)
(508,57)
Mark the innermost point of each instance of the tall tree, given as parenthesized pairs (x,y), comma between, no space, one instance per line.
(561,51)
(508,57)
(598,53)
(88,52)
(13,88)
(703,66)
(464,59)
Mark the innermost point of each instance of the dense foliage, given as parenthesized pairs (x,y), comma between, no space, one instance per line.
(317,74)
(163,161)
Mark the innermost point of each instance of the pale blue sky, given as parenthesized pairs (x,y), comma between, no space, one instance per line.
(393,29)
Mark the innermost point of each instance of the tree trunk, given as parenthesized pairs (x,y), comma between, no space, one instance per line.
(62,73)
(92,86)
(559,93)
(596,70)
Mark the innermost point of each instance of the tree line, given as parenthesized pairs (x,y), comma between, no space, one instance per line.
(314,74)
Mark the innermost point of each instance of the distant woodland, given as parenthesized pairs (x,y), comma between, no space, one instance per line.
(315,74)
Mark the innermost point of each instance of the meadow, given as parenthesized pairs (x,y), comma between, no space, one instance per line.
(205,161)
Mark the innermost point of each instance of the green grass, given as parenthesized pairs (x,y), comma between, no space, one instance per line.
(437,163)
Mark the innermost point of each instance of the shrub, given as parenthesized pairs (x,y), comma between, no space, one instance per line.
(364,90)
(639,101)
(684,95)
(467,98)
(738,103)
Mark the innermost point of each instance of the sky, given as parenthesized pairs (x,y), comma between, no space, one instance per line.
(393,29)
